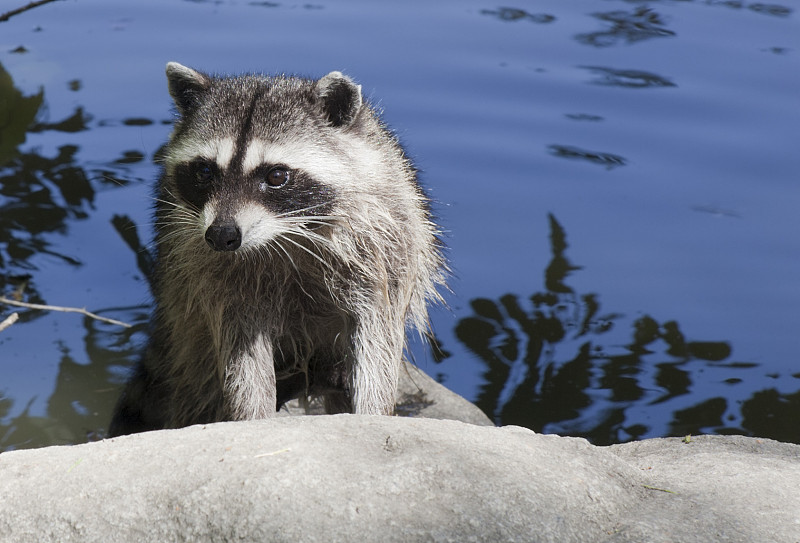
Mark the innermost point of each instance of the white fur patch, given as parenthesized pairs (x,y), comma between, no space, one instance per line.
(317,160)
(258,225)
(208,214)
(220,151)
(225,149)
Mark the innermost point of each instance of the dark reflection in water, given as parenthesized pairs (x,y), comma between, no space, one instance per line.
(631,79)
(131,157)
(775,10)
(74,123)
(79,408)
(17,113)
(609,160)
(770,9)
(584,117)
(137,121)
(516,14)
(778,413)
(37,193)
(642,23)
(549,368)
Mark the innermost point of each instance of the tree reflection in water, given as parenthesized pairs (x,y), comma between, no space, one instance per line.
(39,197)
(79,407)
(37,194)
(549,367)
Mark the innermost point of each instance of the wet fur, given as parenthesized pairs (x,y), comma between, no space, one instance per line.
(311,303)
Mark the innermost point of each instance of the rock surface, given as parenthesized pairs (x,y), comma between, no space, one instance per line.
(363,478)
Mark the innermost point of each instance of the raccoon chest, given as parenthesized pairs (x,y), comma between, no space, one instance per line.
(297,327)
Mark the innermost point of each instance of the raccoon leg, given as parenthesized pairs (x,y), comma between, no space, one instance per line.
(379,354)
(250,388)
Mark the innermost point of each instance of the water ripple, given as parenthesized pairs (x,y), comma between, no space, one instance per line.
(629,27)
(631,79)
(608,160)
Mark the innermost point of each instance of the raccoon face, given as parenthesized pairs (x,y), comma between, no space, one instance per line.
(251,208)
(258,158)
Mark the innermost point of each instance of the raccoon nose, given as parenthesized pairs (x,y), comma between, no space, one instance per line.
(224,237)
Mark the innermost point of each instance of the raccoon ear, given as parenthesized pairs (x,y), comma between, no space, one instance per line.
(340,98)
(186,85)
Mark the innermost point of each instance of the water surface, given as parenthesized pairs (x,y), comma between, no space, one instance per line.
(617,180)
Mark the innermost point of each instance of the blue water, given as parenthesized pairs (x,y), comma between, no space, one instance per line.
(618,182)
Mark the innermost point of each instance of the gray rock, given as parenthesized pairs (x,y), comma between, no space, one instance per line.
(317,478)
(363,478)
(715,488)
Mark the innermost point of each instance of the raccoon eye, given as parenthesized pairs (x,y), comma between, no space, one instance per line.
(277,177)
(203,173)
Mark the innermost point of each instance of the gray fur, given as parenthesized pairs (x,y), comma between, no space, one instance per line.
(327,272)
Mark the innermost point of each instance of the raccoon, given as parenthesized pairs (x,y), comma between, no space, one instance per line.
(293,247)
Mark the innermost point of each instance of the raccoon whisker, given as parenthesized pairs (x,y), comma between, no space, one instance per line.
(106,177)
(185,226)
(179,234)
(183,214)
(295,212)
(324,244)
(290,233)
(177,220)
(309,222)
(180,217)
(303,221)
(295,217)
(291,260)
(174,198)
(299,229)
(256,255)
(278,244)
(168,202)
(265,258)
(312,253)
(320,242)
(298,283)
(173,204)
(177,208)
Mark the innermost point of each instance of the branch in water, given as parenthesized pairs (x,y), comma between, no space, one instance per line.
(11,319)
(6,16)
(82,311)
